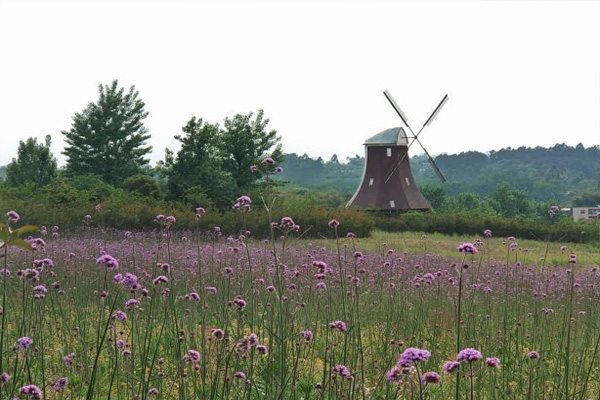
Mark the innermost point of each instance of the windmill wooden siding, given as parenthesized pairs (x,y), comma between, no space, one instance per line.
(387,182)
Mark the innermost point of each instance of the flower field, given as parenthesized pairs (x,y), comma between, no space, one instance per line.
(199,315)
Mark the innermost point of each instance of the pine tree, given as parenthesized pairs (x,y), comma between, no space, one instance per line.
(108,137)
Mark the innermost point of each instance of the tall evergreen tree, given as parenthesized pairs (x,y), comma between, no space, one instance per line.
(108,137)
(34,164)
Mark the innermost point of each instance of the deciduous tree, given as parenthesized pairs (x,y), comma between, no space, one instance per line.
(34,164)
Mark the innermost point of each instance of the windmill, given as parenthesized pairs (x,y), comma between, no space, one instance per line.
(387,182)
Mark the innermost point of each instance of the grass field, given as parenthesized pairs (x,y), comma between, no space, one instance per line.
(166,314)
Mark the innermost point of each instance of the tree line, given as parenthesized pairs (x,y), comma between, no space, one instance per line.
(106,155)
(107,142)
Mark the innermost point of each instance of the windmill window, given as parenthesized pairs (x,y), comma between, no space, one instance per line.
(371,182)
(392,204)
(389,151)
(407,181)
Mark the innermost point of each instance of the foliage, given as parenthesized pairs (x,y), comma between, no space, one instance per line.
(245,141)
(108,137)
(198,166)
(34,164)
(558,174)
(587,199)
(214,163)
(142,185)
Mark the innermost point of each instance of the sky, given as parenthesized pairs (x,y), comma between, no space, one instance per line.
(518,73)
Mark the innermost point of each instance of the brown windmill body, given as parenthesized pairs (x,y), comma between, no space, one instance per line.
(387,183)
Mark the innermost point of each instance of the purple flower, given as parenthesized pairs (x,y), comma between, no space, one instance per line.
(493,362)
(12,217)
(211,290)
(32,390)
(334,223)
(200,211)
(533,355)
(240,375)
(217,333)
(25,342)
(4,378)
(40,289)
(339,325)
(193,355)
(268,161)
(307,335)
(160,278)
(110,261)
(120,343)
(487,233)
(60,384)
(68,359)
(244,200)
(132,303)
(411,355)
(469,355)
(467,248)
(153,392)
(170,220)
(343,371)
(120,315)
(394,375)
(431,377)
(451,366)
(262,349)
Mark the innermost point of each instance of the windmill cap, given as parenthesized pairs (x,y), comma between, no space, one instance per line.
(389,137)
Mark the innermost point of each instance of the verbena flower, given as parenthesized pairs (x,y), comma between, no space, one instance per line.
(12,217)
(412,355)
(395,375)
(4,378)
(307,335)
(343,371)
(60,384)
(108,260)
(468,248)
(193,355)
(32,390)
(533,355)
(25,342)
(431,377)
(469,355)
(451,366)
(493,362)
(339,325)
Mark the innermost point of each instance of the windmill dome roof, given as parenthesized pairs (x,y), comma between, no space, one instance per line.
(390,137)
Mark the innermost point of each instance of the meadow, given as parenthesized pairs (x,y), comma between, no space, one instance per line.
(162,314)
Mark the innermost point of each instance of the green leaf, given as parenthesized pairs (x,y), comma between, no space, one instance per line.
(4,236)
(20,243)
(3,225)
(25,229)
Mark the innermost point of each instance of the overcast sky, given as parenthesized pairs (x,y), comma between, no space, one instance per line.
(518,73)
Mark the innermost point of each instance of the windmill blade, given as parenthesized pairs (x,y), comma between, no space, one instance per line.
(396,107)
(436,111)
(436,169)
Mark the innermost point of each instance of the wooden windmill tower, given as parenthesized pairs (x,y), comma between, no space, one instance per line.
(387,181)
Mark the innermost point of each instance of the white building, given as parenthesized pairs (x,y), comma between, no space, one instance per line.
(585,212)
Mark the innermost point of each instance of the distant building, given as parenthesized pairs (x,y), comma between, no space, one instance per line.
(580,213)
